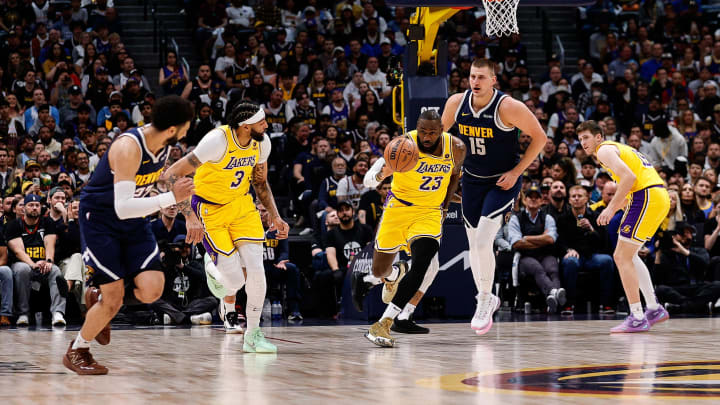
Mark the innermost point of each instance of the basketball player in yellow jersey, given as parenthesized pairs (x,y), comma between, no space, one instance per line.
(228,160)
(412,220)
(648,205)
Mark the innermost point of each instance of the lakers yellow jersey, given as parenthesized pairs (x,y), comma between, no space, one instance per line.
(645,173)
(426,184)
(229,178)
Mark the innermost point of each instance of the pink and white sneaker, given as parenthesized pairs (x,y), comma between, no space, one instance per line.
(482,320)
(632,325)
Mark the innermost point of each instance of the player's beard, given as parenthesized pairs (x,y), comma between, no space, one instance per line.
(258,136)
(422,148)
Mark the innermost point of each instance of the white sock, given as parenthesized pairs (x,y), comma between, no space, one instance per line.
(229,307)
(637,310)
(482,257)
(406,312)
(391,311)
(80,343)
(646,286)
(369,278)
(393,274)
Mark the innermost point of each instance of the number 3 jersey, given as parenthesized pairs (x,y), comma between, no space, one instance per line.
(492,148)
(426,184)
(227,167)
(645,173)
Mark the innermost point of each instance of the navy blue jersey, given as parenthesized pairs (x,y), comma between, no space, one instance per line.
(99,193)
(492,148)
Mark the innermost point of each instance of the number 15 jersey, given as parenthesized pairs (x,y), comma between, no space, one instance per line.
(226,169)
(492,148)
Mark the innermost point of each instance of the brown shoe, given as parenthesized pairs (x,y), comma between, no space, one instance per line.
(82,362)
(4,321)
(91,298)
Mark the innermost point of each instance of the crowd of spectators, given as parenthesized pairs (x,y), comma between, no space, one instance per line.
(649,76)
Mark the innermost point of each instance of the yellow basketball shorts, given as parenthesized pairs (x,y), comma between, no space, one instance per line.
(226,225)
(644,213)
(401,224)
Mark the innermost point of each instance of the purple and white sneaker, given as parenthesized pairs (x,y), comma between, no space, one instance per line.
(632,325)
(656,315)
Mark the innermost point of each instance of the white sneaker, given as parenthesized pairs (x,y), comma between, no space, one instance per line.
(486,307)
(232,323)
(58,319)
(22,321)
(167,320)
(561,296)
(202,319)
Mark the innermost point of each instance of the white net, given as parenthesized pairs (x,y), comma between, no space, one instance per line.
(501,17)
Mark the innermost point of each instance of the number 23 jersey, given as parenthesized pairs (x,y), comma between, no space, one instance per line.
(226,170)
(492,148)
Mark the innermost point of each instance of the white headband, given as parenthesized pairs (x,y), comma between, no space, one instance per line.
(259,116)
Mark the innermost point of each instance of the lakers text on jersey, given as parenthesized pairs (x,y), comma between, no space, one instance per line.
(414,206)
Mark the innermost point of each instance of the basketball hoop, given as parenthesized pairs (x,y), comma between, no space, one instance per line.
(501,17)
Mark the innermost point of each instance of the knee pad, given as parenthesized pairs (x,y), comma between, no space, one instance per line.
(230,270)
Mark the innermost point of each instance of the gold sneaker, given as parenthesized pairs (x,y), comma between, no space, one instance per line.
(379,333)
(390,287)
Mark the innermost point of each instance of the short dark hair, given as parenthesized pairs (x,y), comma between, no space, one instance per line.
(429,115)
(241,112)
(704,178)
(171,111)
(591,126)
(483,62)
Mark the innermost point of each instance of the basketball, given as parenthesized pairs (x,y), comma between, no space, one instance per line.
(401,154)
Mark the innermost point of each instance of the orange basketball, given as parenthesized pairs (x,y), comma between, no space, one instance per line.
(401,154)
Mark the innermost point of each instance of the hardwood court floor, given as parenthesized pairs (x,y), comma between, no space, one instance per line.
(336,365)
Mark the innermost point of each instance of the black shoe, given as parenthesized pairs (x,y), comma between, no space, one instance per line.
(674,308)
(359,289)
(408,326)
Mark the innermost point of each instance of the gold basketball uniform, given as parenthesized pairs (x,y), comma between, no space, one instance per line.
(222,201)
(649,201)
(414,206)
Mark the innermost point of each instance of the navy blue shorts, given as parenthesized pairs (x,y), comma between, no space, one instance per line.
(114,249)
(483,198)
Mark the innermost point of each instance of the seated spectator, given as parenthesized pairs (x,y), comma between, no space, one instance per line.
(186,298)
(533,234)
(564,170)
(666,146)
(6,282)
(6,172)
(703,194)
(309,170)
(557,203)
(688,203)
(338,110)
(581,241)
(351,188)
(341,245)
(681,272)
(82,175)
(167,227)
(68,255)
(372,204)
(31,240)
(279,270)
(608,192)
(172,77)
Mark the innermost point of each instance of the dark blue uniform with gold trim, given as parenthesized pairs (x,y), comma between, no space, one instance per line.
(492,149)
(114,248)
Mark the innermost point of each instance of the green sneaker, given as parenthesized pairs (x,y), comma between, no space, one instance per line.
(216,288)
(255,342)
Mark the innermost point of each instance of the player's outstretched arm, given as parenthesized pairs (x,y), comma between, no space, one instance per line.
(183,167)
(264,194)
(459,157)
(516,114)
(377,173)
(609,156)
(124,159)
(451,106)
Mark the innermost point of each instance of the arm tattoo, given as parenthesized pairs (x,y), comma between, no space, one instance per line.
(262,189)
(183,206)
(194,161)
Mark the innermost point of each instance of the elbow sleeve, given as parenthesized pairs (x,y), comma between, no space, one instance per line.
(126,206)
